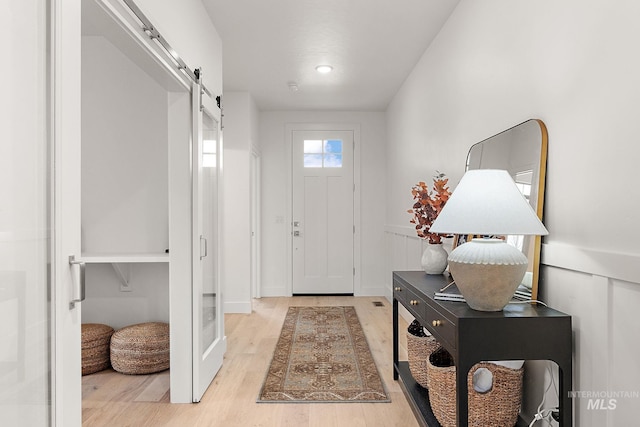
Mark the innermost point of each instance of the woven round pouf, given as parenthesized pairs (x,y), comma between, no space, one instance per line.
(141,348)
(95,347)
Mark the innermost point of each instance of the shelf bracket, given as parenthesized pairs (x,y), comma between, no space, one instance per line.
(124,274)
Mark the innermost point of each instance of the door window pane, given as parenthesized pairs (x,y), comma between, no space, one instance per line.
(209,300)
(333,160)
(313,146)
(313,160)
(25,211)
(333,146)
(323,153)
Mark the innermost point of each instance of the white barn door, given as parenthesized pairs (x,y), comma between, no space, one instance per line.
(323,208)
(209,343)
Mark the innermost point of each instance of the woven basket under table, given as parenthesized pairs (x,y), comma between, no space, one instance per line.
(418,351)
(141,348)
(499,407)
(95,339)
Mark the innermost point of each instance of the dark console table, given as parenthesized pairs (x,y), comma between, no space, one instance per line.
(519,332)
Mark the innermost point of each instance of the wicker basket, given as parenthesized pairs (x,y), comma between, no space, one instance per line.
(95,347)
(497,407)
(419,349)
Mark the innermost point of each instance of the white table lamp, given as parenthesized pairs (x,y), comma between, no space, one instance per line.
(487,202)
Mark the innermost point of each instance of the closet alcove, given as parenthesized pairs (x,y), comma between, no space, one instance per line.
(140,211)
(125,193)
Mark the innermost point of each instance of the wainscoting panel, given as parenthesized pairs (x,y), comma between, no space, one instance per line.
(609,264)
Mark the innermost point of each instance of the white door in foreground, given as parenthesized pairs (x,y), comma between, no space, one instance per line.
(40,327)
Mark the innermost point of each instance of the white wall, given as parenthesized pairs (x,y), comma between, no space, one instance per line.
(240,135)
(124,185)
(495,64)
(275,167)
(187,28)
(124,154)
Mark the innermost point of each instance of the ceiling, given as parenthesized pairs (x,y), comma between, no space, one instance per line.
(372,45)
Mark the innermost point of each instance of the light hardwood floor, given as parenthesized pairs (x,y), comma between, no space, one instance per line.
(116,400)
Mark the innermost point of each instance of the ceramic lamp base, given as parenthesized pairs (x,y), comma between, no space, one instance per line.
(487,272)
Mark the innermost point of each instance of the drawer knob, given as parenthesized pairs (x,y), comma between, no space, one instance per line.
(413,302)
(436,323)
(397,289)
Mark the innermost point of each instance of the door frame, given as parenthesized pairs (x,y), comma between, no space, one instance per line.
(255,228)
(290,128)
(65,137)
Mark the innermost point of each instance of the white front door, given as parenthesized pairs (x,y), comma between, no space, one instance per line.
(208,329)
(323,220)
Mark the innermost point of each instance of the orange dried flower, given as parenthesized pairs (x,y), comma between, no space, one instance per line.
(427,205)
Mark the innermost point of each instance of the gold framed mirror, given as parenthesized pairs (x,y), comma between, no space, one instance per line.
(522,151)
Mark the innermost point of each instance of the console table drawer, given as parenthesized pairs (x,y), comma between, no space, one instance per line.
(410,301)
(441,328)
(400,293)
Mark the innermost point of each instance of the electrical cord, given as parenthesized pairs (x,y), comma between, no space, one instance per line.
(529,302)
(543,414)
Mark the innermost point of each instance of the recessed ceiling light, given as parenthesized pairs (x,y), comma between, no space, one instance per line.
(324,69)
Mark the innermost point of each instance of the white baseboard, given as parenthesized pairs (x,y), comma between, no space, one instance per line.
(380,291)
(243,307)
(274,292)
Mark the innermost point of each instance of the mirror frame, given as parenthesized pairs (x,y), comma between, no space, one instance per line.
(538,207)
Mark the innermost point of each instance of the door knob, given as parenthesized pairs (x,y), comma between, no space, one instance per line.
(296,233)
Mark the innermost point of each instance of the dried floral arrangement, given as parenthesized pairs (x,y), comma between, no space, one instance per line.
(427,205)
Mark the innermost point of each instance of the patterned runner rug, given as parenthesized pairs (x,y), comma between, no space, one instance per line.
(322,355)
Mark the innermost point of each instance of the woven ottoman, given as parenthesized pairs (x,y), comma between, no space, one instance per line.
(95,347)
(141,348)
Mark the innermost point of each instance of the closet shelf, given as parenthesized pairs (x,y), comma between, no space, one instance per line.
(121,263)
(124,258)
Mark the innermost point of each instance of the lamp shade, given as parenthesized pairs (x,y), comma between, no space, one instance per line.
(488,202)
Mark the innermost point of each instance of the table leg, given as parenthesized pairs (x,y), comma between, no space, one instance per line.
(462,393)
(565,374)
(395,338)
